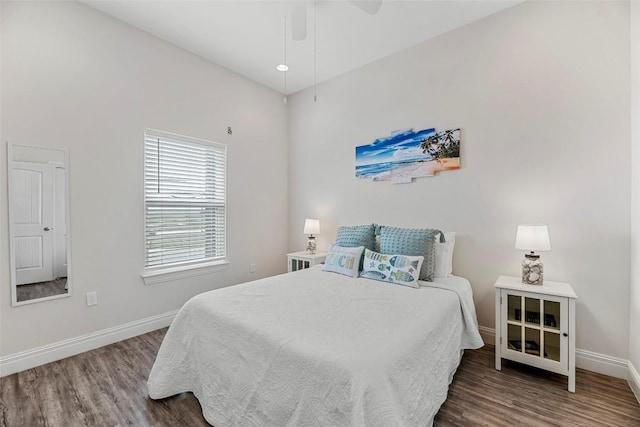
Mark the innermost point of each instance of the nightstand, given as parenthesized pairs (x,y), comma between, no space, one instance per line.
(535,325)
(301,260)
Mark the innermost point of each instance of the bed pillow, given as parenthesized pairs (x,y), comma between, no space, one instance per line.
(412,242)
(399,269)
(343,260)
(349,236)
(444,255)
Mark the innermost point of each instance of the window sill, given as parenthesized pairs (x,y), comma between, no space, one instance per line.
(177,273)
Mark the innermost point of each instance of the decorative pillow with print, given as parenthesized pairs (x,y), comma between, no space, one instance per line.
(343,260)
(399,269)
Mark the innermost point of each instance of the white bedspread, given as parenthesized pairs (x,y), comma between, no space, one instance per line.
(314,348)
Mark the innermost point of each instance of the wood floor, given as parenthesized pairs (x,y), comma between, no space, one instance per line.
(42,289)
(107,387)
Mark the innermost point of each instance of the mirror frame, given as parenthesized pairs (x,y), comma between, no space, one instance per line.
(11,203)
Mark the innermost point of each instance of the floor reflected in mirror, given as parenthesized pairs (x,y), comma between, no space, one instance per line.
(31,291)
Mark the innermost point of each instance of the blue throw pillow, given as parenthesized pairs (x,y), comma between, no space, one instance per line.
(414,242)
(351,236)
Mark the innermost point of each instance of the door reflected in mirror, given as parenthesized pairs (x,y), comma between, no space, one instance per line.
(38,222)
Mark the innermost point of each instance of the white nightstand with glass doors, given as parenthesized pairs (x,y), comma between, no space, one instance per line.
(301,260)
(535,325)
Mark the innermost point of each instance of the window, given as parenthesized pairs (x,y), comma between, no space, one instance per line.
(184,201)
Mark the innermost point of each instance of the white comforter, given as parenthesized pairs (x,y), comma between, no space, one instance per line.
(314,348)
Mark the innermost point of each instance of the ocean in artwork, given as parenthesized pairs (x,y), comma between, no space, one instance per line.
(384,154)
(408,154)
(374,169)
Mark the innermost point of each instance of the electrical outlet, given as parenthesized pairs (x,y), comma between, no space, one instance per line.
(252,268)
(92,298)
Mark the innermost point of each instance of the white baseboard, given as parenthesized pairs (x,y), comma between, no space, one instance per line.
(595,362)
(602,363)
(62,349)
(634,381)
(488,335)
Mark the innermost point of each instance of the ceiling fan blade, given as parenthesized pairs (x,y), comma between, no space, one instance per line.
(370,6)
(299,21)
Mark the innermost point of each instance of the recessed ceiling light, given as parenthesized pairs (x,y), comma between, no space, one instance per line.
(282,67)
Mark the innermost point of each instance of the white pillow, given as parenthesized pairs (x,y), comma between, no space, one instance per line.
(399,269)
(444,255)
(343,260)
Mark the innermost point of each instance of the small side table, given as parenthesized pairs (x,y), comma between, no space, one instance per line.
(301,260)
(536,325)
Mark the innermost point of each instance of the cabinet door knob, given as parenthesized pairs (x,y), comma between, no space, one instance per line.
(564,334)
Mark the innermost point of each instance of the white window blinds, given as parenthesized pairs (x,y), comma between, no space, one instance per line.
(184,200)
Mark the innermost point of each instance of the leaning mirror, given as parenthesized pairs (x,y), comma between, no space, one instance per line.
(38,180)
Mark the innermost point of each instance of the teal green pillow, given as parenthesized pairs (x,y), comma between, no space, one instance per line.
(351,236)
(413,242)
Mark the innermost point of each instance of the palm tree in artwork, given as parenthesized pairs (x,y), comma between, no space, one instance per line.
(448,138)
(429,145)
(442,145)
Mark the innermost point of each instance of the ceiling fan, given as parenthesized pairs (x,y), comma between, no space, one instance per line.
(299,15)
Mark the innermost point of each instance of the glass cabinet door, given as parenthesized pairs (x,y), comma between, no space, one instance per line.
(299,264)
(533,326)
(551,327)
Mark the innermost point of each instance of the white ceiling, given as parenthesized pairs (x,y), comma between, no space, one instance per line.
(248,36)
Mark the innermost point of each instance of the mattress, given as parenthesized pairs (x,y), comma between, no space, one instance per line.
(316,348)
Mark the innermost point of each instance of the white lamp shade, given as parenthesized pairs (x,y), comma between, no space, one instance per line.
(311,226)
(533,237)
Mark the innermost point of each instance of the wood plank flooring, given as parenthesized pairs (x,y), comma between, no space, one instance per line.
(42,289)
(107,387)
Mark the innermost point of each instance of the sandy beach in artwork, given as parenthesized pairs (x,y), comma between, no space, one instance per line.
(405,172)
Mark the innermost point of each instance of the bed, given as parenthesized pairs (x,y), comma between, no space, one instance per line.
(315,348)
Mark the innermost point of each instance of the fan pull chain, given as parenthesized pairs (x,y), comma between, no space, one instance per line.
(315,51)
(285,60)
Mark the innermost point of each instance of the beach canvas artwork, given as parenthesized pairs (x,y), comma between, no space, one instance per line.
(408,154)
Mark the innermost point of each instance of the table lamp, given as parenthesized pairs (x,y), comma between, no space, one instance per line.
(533,237)
(311,227)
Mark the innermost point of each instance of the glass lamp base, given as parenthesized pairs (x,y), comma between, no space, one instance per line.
(311,245)
(532,270)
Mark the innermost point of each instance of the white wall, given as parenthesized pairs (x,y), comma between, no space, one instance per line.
(541,92)
(72,77)
(634,300)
